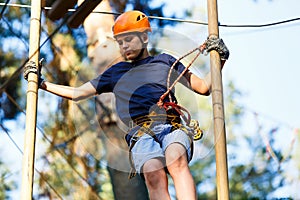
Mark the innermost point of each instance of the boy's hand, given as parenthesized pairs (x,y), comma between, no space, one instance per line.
(215,43)
(31,67)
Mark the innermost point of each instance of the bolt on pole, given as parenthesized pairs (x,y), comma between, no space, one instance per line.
(31,106)
(218,107)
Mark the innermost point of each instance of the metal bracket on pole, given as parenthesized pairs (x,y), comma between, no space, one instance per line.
(218,107)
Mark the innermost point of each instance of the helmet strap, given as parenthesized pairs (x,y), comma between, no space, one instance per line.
(140,54)
(144,46)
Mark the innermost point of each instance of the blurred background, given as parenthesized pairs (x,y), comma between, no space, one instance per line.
(80,151)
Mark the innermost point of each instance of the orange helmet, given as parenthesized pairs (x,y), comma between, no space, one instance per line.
(131,21)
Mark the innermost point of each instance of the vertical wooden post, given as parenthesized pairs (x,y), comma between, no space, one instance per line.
(218,108)
(31,106)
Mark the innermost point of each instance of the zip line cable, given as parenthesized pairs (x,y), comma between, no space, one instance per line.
(175,19)
(5,5)
(40,129)
(17,146)
(18,71)
(266,141)
(161,18)
(153,17)
(12,140)
(10,28)
(261,25)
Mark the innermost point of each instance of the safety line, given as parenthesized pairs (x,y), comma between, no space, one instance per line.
(154,17)
(175,19)
(261,25)
(19,70)
(17,146)
(5,5)
(46,180)
(47,139)
(18,35)
(3,86)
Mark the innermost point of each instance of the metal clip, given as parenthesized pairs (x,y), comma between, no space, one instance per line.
(198,133)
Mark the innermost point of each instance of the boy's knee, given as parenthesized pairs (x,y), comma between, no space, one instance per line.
(177,167)
(155,179)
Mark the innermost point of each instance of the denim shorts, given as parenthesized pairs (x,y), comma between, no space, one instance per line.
(147,148)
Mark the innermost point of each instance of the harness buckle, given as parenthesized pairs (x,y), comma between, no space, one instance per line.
(131,124)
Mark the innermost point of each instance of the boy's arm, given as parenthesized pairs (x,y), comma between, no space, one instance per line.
(73,93)
(202,86)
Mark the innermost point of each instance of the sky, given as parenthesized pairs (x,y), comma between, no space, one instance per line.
(263,63)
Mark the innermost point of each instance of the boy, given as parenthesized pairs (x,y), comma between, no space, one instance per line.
(157,147)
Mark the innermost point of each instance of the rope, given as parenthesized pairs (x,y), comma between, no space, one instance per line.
(200,50)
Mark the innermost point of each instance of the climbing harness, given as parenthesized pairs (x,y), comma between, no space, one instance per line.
(144,125)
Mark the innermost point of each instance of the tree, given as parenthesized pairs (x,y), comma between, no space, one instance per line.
(117,158)
(74,165)
(10,59)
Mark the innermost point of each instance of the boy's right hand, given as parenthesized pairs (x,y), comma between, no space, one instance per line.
(215,43)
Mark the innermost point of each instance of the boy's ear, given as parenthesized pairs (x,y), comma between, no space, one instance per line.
(145,37)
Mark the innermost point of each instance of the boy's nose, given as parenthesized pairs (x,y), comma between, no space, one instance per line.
(125,45)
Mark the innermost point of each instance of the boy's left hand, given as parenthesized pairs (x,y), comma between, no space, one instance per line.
(31,67)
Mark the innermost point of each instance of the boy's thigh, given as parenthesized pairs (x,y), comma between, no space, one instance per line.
(146,149)
(176,144)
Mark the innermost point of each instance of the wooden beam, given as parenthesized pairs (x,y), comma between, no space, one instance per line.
(218,107)
(31,106)
(60,8)
(85,8)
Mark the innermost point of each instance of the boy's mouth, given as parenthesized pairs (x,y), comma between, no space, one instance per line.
(128,53)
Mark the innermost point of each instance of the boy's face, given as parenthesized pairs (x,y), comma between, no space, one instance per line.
(130,45)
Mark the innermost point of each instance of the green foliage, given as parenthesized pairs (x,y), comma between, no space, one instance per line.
(6,185)
(68,173)
(14,31)
(252,178)
(65,130)
(8,65)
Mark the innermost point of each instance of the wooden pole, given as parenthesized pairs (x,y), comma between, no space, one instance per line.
(218,108)
(31,106)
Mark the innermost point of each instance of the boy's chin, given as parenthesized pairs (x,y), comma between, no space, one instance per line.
(130,57)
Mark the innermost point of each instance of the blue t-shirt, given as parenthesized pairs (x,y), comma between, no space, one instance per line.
(138,85)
